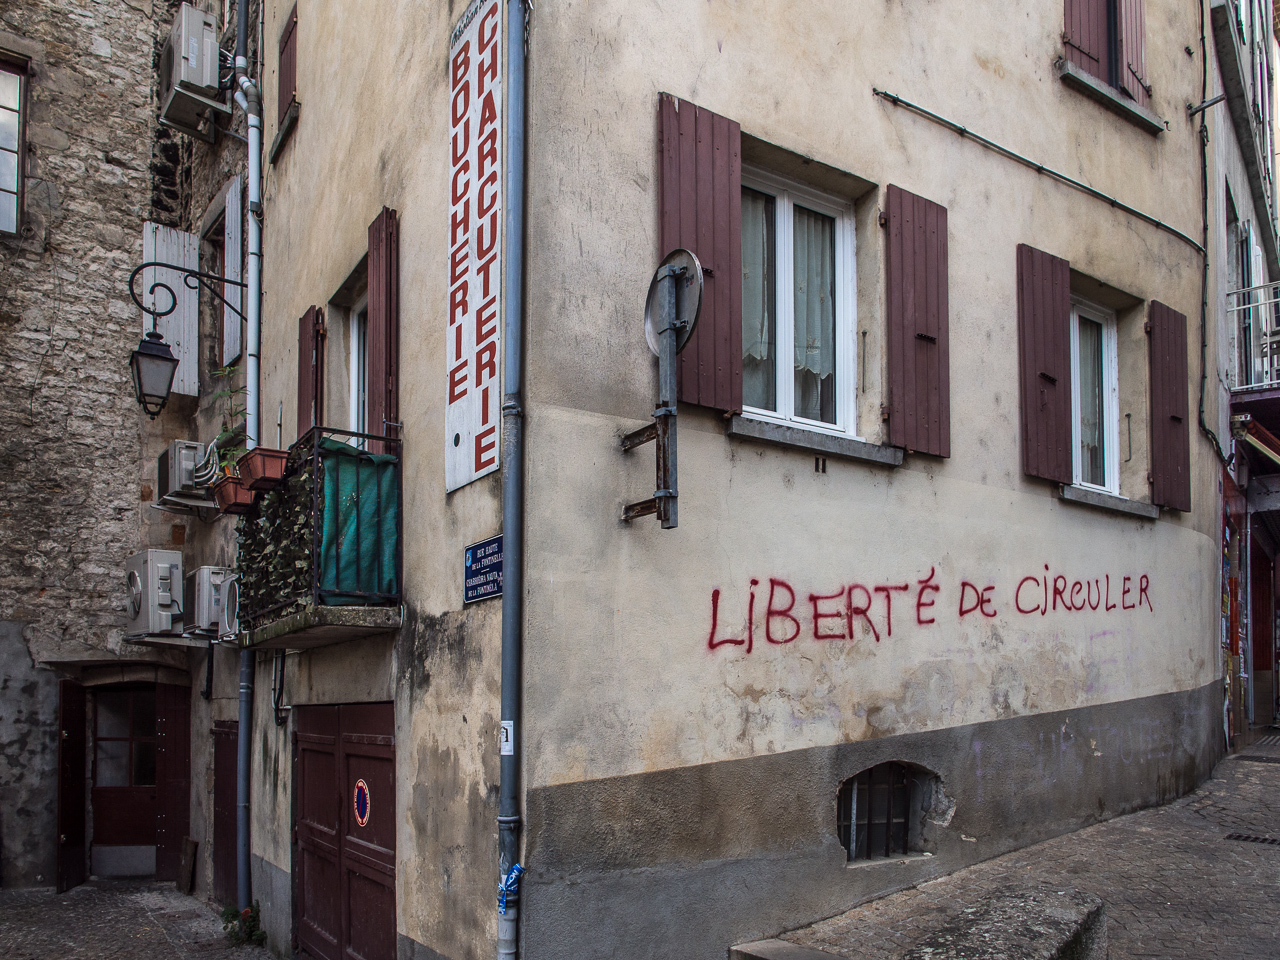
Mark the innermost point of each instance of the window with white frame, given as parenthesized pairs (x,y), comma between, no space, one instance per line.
(10,148)
(1094,397)
(798,312)
(358,371)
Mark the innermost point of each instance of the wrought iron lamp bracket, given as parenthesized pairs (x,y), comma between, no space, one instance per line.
(194,279)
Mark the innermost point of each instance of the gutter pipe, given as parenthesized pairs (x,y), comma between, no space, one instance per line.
(509,818)
(249,100)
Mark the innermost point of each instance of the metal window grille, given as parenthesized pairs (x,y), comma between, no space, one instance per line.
(872,812)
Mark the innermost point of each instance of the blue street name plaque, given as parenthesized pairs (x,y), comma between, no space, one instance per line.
(482,570)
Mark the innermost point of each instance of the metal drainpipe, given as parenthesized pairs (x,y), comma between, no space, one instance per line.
(250,102)
(512,488)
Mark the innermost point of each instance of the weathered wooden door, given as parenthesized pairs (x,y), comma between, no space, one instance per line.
(344,856)
(225,744)
(124,779)
(173,776)
(318,917)
(71,785)
(366,757)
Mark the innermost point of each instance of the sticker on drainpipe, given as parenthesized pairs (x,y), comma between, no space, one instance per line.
(507,739)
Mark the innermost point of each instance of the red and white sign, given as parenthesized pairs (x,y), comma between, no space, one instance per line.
(473,383)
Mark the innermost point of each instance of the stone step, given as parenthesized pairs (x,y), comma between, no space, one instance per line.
(1028,924)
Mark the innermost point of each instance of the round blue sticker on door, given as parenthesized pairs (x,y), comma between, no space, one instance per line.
(362,802)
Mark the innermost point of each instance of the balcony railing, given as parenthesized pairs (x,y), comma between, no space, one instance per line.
(328,535)
(1253,313)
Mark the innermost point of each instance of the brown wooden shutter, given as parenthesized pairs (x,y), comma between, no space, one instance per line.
(311,335)
(700,204)
(288,77)
(1133,51)
(1170,426)
(917,308)
(1085,36)
(1044,363)
(383,331)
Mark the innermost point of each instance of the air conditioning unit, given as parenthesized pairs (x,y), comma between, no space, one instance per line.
(189,67)
(176,487)
(155,599)
(202,601)
(230,625)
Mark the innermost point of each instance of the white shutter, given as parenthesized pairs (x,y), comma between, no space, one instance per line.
(180,328)
(233,230)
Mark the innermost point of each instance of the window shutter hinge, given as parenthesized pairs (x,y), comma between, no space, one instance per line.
(884,221)
(1146,327)
(884,411)
(1150,480)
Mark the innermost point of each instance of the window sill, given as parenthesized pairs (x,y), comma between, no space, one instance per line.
(282,135)
(1108,501)
(797,438)
(1103,93)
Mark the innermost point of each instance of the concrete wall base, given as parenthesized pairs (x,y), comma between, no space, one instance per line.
(688,861)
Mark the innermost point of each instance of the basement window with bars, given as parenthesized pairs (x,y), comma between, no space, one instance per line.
(873,812)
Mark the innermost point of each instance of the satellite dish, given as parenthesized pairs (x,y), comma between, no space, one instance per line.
(688,298)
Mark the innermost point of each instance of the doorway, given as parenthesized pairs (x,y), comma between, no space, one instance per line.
(345,838)
(141,781)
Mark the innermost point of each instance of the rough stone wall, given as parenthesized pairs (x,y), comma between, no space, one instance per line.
(28,762)
(77,470)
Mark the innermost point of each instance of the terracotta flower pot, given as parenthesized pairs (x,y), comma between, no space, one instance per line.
(232,495)
(262,468)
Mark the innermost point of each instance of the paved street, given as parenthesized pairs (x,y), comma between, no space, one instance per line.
(129,920)
(1173,884)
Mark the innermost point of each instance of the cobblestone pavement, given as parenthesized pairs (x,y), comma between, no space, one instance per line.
(1173,885)
(114,920)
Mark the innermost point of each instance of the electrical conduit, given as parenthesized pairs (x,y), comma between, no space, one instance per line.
(512,490)
(249,100)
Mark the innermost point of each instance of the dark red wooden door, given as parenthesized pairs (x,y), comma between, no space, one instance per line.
(345,837)
(368,848)
(318,919)
(225,742)
(71,785)
(173,776)
(125,766)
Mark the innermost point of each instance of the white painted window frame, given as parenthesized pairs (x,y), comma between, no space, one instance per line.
(357,367)
(1110,395)
(787,195)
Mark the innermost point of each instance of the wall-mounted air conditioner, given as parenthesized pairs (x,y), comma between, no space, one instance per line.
(176,472)
(189,67)
(202,601)
(154,580)
(229,628)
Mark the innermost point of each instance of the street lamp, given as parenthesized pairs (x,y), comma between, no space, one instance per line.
(153,366)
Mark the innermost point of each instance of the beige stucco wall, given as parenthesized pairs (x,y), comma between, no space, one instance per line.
(620,676)
(373,107)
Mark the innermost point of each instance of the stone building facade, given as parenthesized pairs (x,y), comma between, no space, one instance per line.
(80,464)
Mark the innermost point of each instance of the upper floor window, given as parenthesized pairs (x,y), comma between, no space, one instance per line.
(1107,40)
(11,84)
(1094,397)
(797,305)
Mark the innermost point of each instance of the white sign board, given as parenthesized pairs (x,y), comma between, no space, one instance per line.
(473,381)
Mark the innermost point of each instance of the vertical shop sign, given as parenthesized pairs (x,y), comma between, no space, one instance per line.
(473,385)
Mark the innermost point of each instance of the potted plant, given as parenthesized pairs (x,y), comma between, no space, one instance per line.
(231,494)
(262,468)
